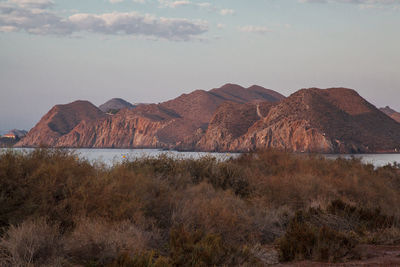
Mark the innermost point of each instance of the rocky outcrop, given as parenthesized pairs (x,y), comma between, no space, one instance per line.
(231,121)
(391,113)
(126,129)
(60,120)
(335,120)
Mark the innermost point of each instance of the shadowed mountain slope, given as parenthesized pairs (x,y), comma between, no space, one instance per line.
(60,120)
(115,104)
(391,113)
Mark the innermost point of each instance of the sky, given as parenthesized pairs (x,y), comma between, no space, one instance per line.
(57,51)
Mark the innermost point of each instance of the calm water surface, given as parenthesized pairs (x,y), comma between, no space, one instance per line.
(111,156)
(378,160)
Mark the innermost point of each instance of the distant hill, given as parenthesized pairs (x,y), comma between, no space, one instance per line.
(178,122)
(10,138)
(336,120)
(60,120)
(229,118)
(391,113)
(18,133)
(114,105)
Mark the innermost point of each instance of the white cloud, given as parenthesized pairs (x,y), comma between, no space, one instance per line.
(116,1)
(180,3)
(32,3)
(16,17)
(254,29)
(362,4)
(366,2)
(174,4)
(225,12)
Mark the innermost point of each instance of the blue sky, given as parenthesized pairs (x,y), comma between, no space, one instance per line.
(54,52)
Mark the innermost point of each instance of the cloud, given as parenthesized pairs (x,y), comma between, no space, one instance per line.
(225,12)
(116,1)
(174,4)
(32,3)
(180,3)
(366,2)
(41,21)
(362,4)
(254,29)
(204,5)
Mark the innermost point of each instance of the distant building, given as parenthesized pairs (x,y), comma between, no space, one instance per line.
(10,135)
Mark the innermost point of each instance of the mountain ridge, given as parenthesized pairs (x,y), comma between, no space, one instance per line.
(231,118)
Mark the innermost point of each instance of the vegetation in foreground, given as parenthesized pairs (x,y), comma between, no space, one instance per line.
(258,209)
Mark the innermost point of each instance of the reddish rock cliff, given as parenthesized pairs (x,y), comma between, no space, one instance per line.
(60,120)
(334,120)
(179,123)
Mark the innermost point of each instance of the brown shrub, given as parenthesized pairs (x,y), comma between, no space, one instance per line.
(246,203)
(33,243)
(218,212)
(42,183)
(99,243)
(279,178)
(303,240)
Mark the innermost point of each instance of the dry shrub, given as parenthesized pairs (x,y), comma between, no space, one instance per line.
(303,240)
(42,183)
(218,212)
(360,217)
(128,195)
(196,248)
(98,242)
(279,178)
(181,173)
(145,259)
(33,243)
(241,202)
(387,236)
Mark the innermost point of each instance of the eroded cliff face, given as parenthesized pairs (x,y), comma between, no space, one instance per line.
(136,128)
(334,120)
(229,122)
(115,132)
(287,135)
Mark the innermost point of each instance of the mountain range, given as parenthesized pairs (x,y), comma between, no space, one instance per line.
(229,118)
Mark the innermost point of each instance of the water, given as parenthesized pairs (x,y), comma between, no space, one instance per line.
(111,156)
(378,160)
